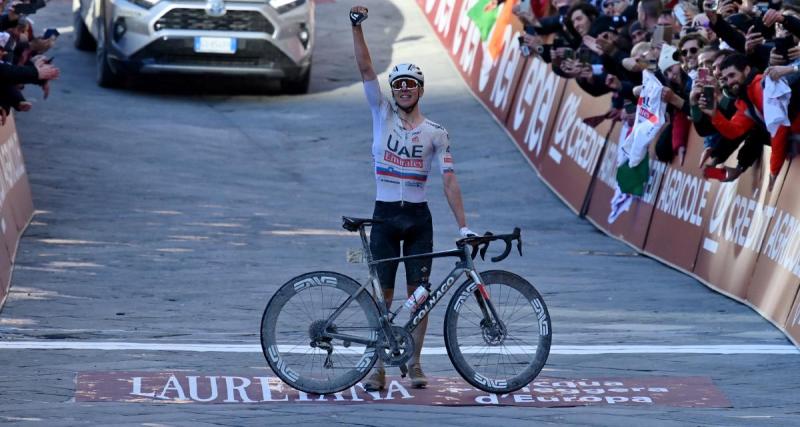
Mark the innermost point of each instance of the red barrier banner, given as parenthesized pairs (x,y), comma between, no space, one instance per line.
(16,205)
(575,148)
(632,225)
(792,326)
(677,223)
(534,108)
(737,217)
(442,16)
(776,275)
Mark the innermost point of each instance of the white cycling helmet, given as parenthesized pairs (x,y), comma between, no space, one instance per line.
(407,70)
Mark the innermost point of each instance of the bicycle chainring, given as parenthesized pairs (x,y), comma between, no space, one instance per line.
(405,347)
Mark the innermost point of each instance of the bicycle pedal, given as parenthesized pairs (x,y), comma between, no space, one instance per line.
(403,370)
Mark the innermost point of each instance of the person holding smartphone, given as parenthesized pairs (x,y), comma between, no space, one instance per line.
(405,145)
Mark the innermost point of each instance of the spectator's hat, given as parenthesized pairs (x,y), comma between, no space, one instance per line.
(601,25)
(667,57)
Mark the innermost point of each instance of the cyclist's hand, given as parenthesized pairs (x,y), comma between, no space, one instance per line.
(358,14)
(466,232)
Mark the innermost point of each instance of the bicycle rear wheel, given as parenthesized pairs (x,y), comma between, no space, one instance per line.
(488,357)
(293,333)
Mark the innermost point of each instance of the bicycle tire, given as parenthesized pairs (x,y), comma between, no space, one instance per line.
(465,337)
(286,329)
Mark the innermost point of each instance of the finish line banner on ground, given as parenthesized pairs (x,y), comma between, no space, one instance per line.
(188,387)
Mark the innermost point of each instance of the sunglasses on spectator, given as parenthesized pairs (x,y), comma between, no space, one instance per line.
(610,3)
(690,51)
(401,84)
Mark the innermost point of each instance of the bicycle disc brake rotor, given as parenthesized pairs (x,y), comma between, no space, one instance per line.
(493,334)
(405,347)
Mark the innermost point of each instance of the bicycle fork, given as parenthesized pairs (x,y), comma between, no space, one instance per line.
(493,328)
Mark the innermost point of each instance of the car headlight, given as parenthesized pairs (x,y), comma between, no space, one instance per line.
(284,5)
(147,4)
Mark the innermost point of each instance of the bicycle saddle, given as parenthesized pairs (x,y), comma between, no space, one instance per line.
(353,224)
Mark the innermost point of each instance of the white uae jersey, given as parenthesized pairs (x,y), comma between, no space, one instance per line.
(403,158)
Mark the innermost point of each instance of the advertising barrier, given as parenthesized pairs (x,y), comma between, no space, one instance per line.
(534,109)
(776,275)
(631,226)
(575,148)
(677,223)
(736,221)
(16,204)
(739,238)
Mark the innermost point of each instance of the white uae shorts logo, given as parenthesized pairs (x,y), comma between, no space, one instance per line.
(215,8)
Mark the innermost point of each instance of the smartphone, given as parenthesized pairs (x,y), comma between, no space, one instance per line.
(50,32)
(703,74)
(761,8)
(569,53)
(25,9)
(658,34)
(783,44)
(709,95)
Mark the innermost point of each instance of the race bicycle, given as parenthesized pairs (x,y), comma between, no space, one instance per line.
(323,331)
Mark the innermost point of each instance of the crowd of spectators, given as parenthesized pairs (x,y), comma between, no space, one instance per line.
(22,55)
(729,68)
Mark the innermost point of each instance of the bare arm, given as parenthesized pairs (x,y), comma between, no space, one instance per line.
(363,59)
(453,193)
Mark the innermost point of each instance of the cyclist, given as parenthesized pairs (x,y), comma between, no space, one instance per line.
(404,145)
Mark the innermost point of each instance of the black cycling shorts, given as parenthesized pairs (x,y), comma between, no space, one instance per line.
(411,224)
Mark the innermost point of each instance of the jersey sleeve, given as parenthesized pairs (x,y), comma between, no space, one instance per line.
(443,156)
(375,98)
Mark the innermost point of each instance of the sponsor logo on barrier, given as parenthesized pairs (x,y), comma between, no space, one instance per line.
(444,15)
(783,244)
(189,387)
(13,167)
(683,196)
(467,40)
(581,142)
(536,103)
(737,219)
(504,79)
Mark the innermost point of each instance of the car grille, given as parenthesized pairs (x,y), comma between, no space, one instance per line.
(180,51)
(197,19)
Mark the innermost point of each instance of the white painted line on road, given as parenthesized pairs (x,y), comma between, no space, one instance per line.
(251,348)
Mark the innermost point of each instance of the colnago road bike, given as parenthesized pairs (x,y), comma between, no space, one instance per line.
(322,331)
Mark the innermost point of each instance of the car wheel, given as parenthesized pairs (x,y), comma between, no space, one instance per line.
(106,76)
(298,85)
(83,38)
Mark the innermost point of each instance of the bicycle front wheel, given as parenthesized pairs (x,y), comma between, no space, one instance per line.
(504,356)
(295,339)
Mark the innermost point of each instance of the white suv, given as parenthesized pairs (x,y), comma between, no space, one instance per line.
(266,39)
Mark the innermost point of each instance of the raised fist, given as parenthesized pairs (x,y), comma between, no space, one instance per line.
(358,14)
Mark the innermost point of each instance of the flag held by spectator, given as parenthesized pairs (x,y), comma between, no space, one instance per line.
(484,15)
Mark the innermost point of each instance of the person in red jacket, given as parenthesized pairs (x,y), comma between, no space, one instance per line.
(744,83)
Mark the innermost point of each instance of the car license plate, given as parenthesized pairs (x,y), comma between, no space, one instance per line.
(215,44)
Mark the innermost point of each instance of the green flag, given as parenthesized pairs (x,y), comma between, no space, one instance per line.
(633,180)
(484,20)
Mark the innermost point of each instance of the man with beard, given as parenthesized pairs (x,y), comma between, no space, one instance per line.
(744,83)
(404,146)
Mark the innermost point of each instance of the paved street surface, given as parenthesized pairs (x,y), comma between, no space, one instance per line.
(170,211)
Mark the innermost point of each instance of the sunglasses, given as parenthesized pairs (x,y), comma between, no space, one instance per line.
(609,3)
(690,51)
(401,84)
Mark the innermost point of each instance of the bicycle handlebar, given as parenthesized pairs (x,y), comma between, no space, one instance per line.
(481,243)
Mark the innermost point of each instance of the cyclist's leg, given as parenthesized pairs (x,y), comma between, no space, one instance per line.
(384,243)
(418,239)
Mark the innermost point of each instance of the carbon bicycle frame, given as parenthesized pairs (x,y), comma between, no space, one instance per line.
(464,265)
